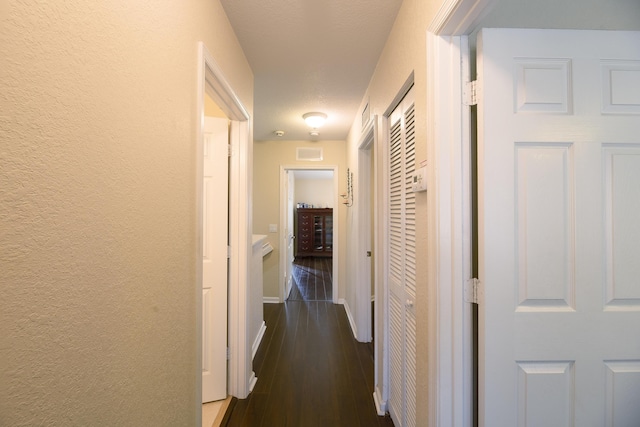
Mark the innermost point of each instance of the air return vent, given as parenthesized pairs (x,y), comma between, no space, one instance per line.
(311,154)
(366,116)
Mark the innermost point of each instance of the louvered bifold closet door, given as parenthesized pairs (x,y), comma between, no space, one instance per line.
(410,267)
(396,273)
(402,264)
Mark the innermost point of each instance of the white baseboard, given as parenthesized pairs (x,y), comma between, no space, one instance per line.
(252,381)
(258,340)
(381,405)
(271,300)
(354,330)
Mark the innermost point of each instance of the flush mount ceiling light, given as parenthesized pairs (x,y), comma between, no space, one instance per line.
(314,120)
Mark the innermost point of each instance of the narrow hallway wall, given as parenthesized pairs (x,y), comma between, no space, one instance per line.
(98,309)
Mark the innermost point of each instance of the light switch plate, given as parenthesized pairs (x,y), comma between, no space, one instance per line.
(273,228)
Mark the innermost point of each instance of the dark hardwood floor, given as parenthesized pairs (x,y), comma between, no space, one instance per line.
(311,371)
(312,279)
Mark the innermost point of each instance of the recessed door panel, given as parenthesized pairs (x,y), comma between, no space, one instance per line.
(558,203)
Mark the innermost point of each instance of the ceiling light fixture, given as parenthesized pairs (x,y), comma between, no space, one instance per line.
(314,120)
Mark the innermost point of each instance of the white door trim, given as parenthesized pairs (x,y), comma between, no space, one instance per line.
(381,345)
(283,224)
(452,188)
(212,81)
(448,121)
(459,17)
(362,207)
(288,243)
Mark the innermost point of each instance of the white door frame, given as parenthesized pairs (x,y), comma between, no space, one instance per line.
(288,242)
(362,207)
(212,81)
(450,175)
(452,187)
(283,224)
(381,305)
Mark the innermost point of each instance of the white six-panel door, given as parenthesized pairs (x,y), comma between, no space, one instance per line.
(559,228)
(214,264)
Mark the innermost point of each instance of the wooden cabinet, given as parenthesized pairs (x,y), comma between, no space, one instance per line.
(314,232)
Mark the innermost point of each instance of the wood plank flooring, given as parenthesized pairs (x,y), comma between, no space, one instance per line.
(312,279)
(311,371)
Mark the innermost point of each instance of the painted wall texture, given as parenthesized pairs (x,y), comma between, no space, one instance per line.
(268,156)
(317,192)
(97,208)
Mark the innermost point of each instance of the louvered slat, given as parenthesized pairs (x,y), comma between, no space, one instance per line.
(410,267)
(410,369)
(409,203)
(395,198)
(402,266)
(396,400)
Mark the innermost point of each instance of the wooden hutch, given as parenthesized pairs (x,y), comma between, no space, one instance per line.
(314,232)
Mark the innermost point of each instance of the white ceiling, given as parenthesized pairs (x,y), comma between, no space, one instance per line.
(319,55)
(310,55)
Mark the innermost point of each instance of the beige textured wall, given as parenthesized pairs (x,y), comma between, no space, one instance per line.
(405,52)
(268,157)
(97,207)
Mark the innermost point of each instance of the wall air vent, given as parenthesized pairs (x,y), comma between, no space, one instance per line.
(366,115)
(310,154)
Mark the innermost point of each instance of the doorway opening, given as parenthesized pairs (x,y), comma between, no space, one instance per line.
(212,82)
(366,242)
(313,230)
(310,232)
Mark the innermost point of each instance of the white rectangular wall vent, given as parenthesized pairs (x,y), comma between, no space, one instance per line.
(366,116)
(311,154)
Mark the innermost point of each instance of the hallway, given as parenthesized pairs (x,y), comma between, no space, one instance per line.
(311,371)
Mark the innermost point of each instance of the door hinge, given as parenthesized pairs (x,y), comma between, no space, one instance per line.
(473,291)
(228,252)
(229,150)
(228,354)
(470,93)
